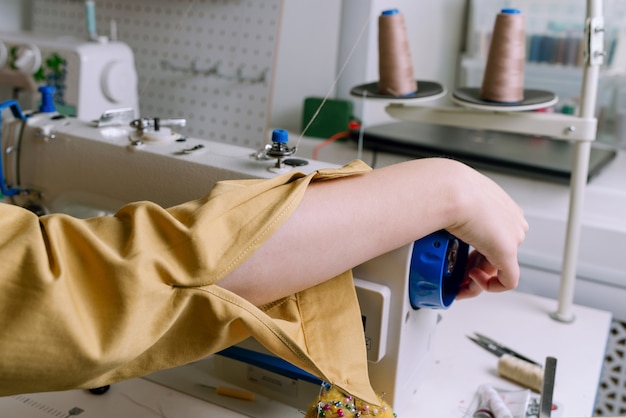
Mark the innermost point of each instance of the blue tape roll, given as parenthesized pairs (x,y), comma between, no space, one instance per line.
(436,270)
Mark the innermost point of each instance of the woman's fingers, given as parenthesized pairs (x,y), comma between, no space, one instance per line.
(483,275)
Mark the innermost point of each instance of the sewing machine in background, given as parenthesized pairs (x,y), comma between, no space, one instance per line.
(54,163)
(89,76)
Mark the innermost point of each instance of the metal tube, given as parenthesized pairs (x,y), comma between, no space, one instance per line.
(594,27)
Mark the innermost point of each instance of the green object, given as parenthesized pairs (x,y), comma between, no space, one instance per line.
(334,117)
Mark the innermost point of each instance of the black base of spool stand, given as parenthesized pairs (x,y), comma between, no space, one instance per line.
(426,90)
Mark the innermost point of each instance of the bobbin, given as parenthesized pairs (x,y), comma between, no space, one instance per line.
(522,372)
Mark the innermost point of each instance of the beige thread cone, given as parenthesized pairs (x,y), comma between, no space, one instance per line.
(396,76)
(503,80)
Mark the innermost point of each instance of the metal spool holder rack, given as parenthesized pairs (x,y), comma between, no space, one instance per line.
(581,129)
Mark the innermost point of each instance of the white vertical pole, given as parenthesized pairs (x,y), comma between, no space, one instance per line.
(595,27)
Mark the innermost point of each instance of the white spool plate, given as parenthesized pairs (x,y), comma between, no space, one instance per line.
(533,100)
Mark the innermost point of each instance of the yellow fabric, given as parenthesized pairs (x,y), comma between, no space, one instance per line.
(85,303)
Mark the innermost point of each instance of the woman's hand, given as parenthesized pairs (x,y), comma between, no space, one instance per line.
(495,226)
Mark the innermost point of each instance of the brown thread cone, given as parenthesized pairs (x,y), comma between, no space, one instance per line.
(503,80)
(396,77)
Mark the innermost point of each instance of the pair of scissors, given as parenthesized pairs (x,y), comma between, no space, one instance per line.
(498,349)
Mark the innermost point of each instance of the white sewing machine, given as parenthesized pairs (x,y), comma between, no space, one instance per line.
(89,76)
(54,163)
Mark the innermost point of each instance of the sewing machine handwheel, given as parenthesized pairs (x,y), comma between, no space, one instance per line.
(436,271)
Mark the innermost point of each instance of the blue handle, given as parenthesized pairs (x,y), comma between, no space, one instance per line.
(268,362)
(437,269)
(18,114)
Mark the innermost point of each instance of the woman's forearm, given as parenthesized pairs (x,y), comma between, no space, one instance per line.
(342,223)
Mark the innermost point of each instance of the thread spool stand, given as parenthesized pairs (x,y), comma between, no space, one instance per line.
(396,82)
(580,129)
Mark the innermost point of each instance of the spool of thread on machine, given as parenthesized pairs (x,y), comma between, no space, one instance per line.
(395,67)
(503,80)
(522,372)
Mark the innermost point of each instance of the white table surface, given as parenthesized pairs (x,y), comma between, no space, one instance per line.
(522,322)
(518,320)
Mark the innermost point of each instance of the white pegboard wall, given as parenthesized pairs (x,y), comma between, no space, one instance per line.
(208,61)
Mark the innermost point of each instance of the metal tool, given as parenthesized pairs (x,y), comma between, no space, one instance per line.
(498,349)
(547,390)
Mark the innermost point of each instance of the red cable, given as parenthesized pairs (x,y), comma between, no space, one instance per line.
(352,126)
(333,138)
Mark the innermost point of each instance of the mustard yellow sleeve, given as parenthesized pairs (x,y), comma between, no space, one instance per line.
(85,303)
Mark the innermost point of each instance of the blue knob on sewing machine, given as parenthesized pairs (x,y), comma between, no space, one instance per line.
(280,136)
(436,270)
(47,101)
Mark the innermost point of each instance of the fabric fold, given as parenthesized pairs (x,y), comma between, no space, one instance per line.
(89,302)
